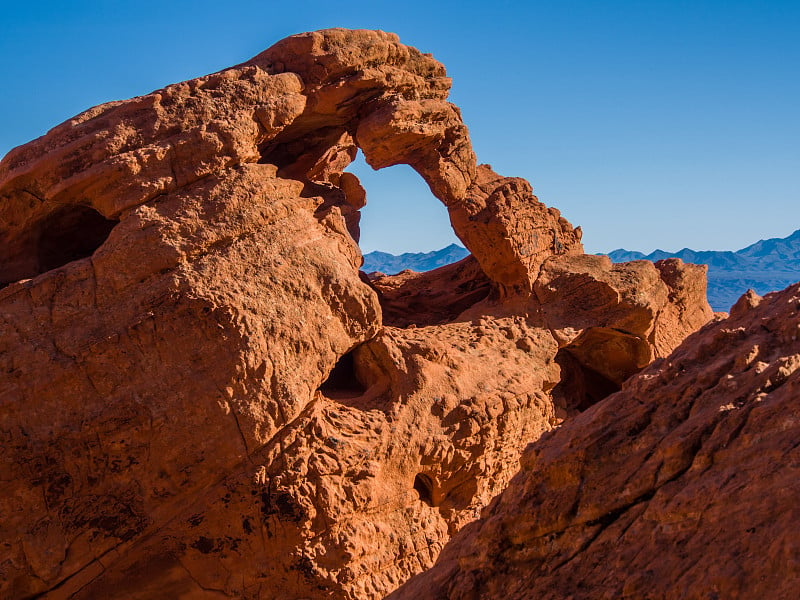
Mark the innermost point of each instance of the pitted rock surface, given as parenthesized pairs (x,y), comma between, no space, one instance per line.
(201,397)
(683,485)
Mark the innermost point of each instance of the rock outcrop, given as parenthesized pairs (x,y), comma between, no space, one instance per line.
(202,397)
(683,485)
(766,266)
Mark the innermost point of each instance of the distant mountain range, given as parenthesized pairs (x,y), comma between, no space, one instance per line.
(766,266)
(416,261)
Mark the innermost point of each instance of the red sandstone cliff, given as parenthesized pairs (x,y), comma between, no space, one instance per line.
(201,395)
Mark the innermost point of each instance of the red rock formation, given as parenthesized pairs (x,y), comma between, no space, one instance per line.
(683,485)
(431,298)
(200,396)
(509,231)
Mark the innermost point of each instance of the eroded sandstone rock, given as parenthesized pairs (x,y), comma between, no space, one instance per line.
(683,485)
(200,394)
(431,298)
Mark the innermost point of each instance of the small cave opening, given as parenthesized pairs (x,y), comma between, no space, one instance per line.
(581,386)
(70,233)
(424,487)
(343,381)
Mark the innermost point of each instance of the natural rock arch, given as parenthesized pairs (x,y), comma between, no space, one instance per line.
(179,435)
(305,105)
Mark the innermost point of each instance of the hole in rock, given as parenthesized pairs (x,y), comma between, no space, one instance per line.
(71,233)
(424,487)
(396,220)
(401,215)
(343,382)
(404,226)
(580,386)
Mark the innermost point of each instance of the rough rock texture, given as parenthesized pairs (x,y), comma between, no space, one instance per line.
(611,320)
(683,485)
(431,297)
(202,397)
(509,231)
(661,303)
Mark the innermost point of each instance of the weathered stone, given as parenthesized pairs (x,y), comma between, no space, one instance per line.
(684,484)
(201,396)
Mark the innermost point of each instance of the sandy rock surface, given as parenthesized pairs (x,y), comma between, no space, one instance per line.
(683,485)
(202,397)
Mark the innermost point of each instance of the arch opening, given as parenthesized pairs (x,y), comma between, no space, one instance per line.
(402,216)
(395,219)
(404,226)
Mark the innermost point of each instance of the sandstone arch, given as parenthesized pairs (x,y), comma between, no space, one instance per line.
(178,444)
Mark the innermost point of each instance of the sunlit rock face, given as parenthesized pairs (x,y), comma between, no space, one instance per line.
(683,485)
(202,397)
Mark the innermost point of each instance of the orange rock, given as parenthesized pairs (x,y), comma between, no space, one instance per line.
(432,298)
(684,484)
(661,303)
(509,231)
(203,396)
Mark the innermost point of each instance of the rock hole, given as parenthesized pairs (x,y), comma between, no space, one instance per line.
(580,386)
(71,233)
(424,487)
(445,280)
(343,382)
(398,197)
(392,211)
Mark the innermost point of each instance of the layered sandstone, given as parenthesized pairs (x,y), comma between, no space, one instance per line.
(683,485)
(203,397)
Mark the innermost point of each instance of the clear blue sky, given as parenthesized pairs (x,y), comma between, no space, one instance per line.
(650,123)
